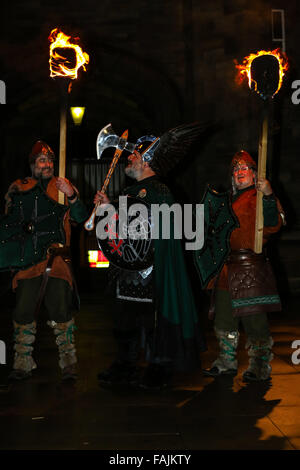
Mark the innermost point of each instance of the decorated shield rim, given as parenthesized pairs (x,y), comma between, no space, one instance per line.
(151,241)
(43,250)
(223,194)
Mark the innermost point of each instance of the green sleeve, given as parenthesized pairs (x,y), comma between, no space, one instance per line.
(78,211)
(270,211)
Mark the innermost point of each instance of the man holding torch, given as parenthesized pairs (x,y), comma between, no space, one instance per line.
(49,280)
(245,289)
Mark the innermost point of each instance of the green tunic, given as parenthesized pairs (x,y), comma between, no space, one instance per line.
(178,335)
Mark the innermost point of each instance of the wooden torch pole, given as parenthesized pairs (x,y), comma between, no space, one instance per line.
(63,139)
(261,173)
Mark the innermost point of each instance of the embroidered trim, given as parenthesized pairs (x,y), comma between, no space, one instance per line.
(266,299)
(134,299)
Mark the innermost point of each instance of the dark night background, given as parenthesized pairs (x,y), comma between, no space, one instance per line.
(155,64)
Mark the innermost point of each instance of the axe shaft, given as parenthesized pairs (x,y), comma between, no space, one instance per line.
(90,223)
(111,169)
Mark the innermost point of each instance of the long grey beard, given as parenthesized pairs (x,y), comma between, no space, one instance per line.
(130,172)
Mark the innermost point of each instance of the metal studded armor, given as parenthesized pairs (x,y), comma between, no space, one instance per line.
(34,222)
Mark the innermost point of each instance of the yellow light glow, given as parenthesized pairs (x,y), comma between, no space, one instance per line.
(77,113)
(97,259)
(93,256)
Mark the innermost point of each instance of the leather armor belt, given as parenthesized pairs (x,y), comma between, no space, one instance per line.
(252,284)
(64,252)
(245,257)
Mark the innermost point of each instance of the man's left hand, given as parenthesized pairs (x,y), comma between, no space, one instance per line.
(64,186)
(264,186)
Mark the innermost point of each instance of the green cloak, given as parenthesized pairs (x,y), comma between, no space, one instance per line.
(178,334)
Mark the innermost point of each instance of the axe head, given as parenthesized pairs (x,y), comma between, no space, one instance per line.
(108,138)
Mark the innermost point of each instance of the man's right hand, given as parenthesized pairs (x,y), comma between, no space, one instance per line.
(101,198)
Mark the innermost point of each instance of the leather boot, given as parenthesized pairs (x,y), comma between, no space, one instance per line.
(66,348)
(123,371)
(24,336)
(260,356)
(226,363)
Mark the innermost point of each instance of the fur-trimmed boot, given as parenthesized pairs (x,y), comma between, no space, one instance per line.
(64,333)
(260,356)
(24,337)
(226,363)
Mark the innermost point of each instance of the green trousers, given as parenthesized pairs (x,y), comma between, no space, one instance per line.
(255,326)
(57,300)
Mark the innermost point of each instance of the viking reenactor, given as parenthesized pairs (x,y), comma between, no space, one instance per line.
(245,289)
(35,237)
(156,309)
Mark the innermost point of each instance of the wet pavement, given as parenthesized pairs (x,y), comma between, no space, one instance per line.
(196,413)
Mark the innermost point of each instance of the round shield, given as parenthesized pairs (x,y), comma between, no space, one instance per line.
(33,224)
(220,221)
(123,233)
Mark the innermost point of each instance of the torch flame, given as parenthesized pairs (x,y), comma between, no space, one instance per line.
(58,63)
(245,67)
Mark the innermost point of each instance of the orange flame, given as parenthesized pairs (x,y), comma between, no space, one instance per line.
(59,65)
(245,67)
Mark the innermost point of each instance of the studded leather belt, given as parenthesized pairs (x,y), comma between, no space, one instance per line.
(245,257)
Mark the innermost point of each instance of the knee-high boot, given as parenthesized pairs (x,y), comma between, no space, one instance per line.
(260,356)
(64,333)
(24,337)
(226,362)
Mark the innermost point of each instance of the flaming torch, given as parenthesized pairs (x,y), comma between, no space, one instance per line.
(66,58)
(264,72)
